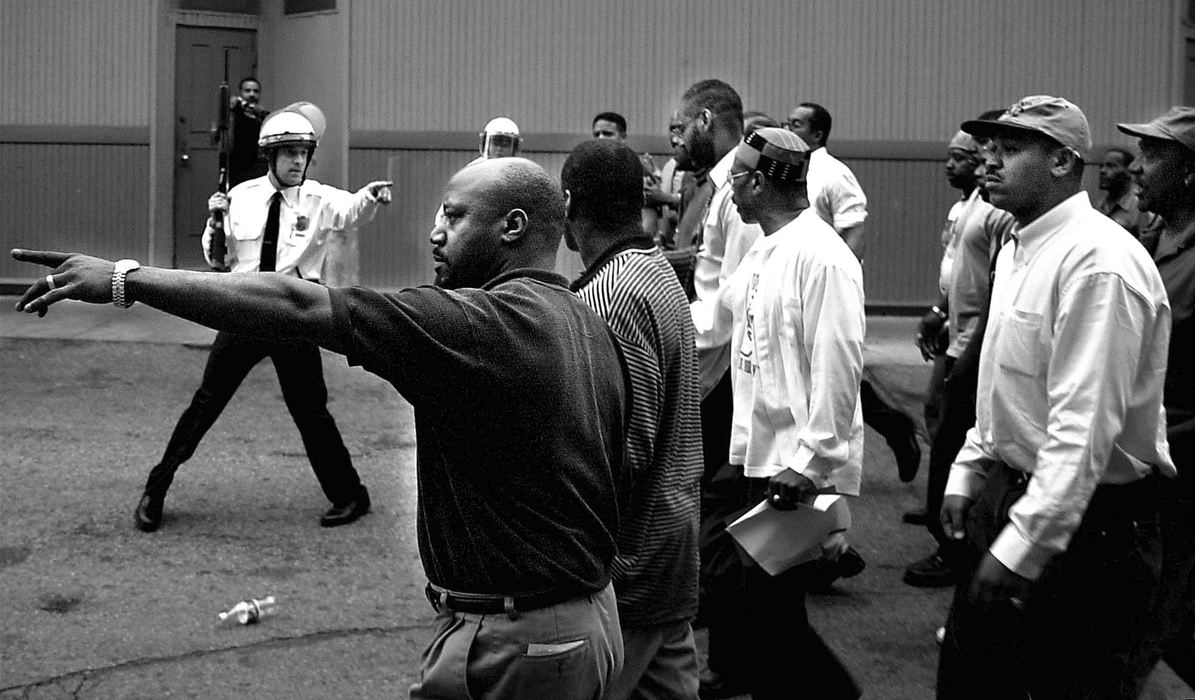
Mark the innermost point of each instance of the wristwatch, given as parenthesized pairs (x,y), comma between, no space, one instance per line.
(123,267)
(939,313)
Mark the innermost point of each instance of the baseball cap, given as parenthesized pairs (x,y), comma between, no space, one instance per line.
(1176,125)
(1050,116)
(777,153)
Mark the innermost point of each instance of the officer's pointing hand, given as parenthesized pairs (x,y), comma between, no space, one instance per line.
(380,190)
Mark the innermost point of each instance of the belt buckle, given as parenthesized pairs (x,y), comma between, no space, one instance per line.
(438,599)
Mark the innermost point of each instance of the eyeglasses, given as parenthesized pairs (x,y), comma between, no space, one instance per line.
(735,176)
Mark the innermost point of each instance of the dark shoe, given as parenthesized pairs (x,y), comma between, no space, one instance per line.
(348,512)
(715,685)
(908,455)
(148,515)
(826,572)
(930,572)
(915,517)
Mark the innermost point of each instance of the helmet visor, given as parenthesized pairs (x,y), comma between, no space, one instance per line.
(499,145)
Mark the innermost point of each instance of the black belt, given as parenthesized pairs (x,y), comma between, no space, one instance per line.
(1110,503)
(482,604)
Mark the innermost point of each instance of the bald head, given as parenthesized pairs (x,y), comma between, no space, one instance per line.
(505,184)
(497,215)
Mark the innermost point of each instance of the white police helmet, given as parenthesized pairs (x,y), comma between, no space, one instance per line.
(285,128)
(499,138)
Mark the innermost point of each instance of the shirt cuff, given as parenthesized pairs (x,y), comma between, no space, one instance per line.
(806,463)
(964,482)
(1020,555)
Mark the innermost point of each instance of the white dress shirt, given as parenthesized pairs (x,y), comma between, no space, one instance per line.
(725,240)
(1070,376)
(309,212)
(795,305)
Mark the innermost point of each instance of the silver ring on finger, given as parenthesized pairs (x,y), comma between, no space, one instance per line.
(50,281)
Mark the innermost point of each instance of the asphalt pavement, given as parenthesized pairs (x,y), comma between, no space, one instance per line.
(95,609)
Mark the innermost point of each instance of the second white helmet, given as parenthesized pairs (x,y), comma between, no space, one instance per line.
(499,138)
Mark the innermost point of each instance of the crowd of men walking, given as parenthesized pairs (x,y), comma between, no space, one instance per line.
(581,445)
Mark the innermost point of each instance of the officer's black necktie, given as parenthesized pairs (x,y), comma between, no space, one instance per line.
(269,244)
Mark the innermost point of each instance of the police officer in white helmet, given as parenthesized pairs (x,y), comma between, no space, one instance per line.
(499,139)
(278,222)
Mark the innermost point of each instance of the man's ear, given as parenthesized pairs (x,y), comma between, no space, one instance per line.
(514,226)
(568,204)
(1064,161)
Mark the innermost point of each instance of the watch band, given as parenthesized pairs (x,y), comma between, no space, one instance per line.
(121,269)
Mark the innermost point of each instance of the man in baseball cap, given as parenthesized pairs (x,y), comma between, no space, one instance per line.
(1049,116)
(1177,125)
(1056,487)
(1164,177)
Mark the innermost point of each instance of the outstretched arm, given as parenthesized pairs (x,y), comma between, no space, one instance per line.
(262,304)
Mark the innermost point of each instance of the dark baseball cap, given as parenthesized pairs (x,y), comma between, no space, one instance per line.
(1050,116)
(1176,125)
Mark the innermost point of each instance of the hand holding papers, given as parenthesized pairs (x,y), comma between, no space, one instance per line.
(780,539)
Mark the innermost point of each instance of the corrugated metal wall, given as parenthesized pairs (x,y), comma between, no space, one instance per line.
(85,65)
(73,197)
(887,69)
(76,62)
(892,72)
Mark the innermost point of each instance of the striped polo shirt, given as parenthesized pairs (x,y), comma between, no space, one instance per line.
(634,289)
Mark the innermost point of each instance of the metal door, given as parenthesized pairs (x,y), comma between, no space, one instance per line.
(198,71)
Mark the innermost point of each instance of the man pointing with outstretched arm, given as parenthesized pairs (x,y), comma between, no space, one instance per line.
(519,406)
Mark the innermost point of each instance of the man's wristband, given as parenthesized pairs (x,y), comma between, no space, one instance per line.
(122,268)
(942,315)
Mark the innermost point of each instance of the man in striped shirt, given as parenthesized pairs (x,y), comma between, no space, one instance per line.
(631,285)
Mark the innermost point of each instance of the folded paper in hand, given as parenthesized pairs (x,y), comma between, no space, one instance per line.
(780,539)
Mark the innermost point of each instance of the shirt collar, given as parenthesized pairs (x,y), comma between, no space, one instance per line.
(535,273)
(720,173)
(1037,231)
(632,239)
(290,195)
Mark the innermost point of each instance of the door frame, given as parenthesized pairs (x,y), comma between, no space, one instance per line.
(197,89)
(160,251)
